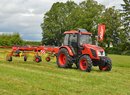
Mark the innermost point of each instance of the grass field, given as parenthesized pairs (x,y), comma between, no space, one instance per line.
(30,78)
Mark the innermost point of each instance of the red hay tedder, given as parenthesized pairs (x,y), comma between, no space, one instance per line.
(77,49)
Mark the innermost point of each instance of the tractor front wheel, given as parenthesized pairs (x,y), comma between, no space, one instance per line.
(85,63)
(63,59)
(106,67)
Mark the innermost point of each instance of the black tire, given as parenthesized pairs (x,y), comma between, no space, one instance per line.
(25,58)
(8,58)
(63,59)
(85,63)
(106,67)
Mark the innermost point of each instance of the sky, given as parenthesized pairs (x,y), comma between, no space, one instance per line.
(25,16)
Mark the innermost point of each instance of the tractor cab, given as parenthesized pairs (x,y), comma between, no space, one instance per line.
(76,39)
(85,39)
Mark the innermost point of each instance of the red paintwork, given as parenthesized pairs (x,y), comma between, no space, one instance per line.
(83,64)
(51,49)
(74,31)
(37,59)
(62,59)
(87,50)
(69,50)
(25,48)
(36,49)
(101,32)
(103,68)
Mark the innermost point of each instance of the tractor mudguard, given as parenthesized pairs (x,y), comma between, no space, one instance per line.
(69,50)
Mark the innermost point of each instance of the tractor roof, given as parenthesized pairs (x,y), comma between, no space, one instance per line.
(76,32)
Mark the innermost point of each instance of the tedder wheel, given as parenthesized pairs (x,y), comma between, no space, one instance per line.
(25,58)
(38,59)
(63,59)
(106,67)
(48,59)
(8,58)
(85,63)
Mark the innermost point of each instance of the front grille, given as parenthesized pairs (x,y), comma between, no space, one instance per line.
(93,52)
(102,53)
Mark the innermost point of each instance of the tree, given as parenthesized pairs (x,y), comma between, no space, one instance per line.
(10,39)
(55,22)
(112,19)
(67,16)
(88,14)
(91,13)
(126,16)
(16,39)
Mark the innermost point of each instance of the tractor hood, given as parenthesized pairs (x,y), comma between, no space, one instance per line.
(93,48)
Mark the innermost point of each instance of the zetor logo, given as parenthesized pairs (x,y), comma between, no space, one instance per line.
(101,32)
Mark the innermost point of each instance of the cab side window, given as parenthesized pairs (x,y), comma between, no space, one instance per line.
(66,39)
(73,40)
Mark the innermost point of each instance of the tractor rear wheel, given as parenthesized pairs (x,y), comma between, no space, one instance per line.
(85,63)
(106,67)
(63,59)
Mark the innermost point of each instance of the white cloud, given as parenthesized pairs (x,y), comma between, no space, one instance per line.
(6,33)
(25,16)
(110,3)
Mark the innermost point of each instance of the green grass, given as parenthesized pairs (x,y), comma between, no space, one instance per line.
(30,78)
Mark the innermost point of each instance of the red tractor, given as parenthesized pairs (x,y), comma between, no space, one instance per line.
(77,48)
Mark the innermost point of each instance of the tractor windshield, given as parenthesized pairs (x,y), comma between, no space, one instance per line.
(85,39)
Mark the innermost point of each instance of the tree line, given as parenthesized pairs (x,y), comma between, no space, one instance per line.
(87,14)
(15,40)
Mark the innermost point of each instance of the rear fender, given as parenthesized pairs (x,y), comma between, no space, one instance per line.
(68,49)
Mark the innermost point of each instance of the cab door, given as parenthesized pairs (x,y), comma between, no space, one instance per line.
(73,43)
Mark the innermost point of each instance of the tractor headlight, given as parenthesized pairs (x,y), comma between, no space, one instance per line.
(101,53)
